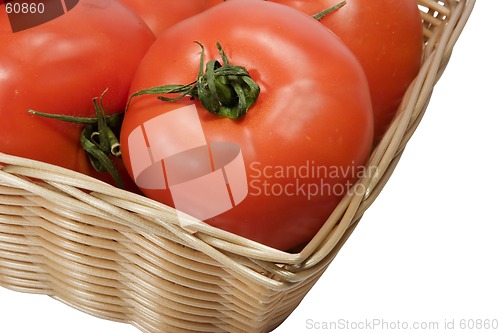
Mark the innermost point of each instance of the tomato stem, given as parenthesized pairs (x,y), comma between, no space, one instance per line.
(112,120)
(99,137)
(223,89)
(327,11)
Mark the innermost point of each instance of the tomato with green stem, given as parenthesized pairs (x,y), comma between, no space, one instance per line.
(59,67)
(387,38)
(303,135)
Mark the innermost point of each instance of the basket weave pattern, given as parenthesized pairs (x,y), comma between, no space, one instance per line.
(123,257)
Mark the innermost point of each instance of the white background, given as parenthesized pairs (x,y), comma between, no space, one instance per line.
(426,251)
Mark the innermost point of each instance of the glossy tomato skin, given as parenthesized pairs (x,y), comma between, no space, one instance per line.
(386,36)
(161,14)
(59,67)
(313,110)
(211,3)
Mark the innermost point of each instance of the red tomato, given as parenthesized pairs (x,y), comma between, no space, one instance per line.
(59,67)
(386,36)
(302,142)
(161,14)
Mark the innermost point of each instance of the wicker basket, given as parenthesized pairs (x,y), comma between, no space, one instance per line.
(123,257)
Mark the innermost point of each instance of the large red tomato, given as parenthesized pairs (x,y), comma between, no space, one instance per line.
(386,37)
(289,160)
(58,67)
(161,14)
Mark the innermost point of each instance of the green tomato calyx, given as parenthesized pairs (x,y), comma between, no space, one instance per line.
(223,89)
